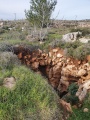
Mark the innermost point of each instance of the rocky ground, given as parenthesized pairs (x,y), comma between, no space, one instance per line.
(60,71)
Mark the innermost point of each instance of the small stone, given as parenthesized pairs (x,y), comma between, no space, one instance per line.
(9,82)
(55,50)
(85,110)
(59,55)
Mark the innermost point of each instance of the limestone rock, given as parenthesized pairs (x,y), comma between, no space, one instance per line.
(85,110)
(84,40)
(71,37)
(35,65)
(66,106)
(82,91)
(60,70)
(9,82)
(81,72)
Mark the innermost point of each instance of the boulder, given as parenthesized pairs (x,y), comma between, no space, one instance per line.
(71,37)
(82,91)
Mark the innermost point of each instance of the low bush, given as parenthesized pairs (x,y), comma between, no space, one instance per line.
(8,59)
(22,37)
(72,98)
(2,31)
(62,44)
(81,52)
(76,49)
(84,31)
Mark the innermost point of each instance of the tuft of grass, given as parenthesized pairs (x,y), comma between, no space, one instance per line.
(32,97)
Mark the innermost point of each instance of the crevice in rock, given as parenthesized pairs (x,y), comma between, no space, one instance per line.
(60,71)
(42,69)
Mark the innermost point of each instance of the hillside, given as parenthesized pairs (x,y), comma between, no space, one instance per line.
(46,74)
(32,98)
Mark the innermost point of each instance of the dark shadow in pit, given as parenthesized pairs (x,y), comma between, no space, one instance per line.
(42,69)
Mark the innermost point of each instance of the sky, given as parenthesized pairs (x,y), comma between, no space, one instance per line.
(65,9)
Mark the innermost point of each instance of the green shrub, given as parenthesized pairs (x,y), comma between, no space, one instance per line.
(62,44)
(22,37)
(74,45)
(70,52)
(5,27)
(82,51)
(84,31)
(2,31)
(72,98)
(72,89)
(8,59)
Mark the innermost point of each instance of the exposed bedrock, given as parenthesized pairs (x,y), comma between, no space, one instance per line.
(60,70)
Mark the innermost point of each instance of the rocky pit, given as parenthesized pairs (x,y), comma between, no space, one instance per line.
(58,69)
